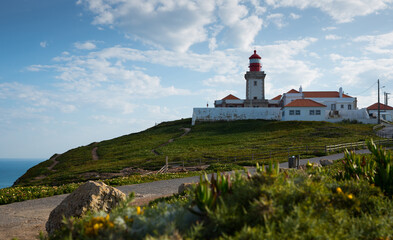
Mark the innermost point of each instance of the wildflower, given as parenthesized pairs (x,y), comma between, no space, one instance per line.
(350,196)
(139,211)
(339,190)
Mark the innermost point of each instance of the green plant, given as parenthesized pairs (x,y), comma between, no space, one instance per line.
(383,171)
(375,168)
(207,192)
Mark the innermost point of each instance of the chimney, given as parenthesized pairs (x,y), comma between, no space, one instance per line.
(341,92)
(301,91)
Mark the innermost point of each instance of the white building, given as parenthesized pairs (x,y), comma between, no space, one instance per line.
(333,100)
(332,106)
(385,111)
(303,109)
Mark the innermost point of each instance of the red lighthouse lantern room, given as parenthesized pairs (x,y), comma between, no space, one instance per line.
(255,62)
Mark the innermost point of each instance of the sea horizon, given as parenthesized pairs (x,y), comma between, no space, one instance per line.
(13,168)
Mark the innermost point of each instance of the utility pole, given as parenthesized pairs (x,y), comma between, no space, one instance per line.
(379,107)
(386,97)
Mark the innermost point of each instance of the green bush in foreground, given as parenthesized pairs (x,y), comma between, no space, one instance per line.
(376,168)
(270,204)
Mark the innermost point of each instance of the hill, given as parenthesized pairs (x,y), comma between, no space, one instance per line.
(233,141)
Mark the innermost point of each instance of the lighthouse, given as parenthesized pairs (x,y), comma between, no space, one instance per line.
(255,83)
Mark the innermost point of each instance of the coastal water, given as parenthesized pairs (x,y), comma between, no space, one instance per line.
(12,169)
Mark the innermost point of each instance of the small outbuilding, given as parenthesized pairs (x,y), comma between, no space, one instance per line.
(386,111)
(303,110)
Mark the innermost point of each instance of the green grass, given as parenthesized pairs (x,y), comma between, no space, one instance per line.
(227,141)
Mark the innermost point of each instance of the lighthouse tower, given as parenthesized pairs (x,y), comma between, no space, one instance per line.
(255,83)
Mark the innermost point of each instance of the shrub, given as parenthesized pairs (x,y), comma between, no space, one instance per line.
(270,204)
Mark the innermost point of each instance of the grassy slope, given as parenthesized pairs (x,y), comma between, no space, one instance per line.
(206,140)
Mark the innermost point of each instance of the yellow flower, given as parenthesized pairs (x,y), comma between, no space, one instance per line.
(350,196)
(107,217)
(339,190)
(139,211)
(97,227)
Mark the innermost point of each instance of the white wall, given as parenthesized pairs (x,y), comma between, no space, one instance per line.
(385,114)
(337,101)
(232,114)
(304,114)
(255,91)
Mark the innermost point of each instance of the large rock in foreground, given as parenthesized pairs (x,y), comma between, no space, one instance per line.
(91,196)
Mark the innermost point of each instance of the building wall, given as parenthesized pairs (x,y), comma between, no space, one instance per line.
(385,114)
(232,114)
(338,101)
(304,114)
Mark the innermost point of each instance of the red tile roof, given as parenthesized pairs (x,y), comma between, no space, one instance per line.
(292,91)
(304,103)
(277,97)
(381,107)
(230,97)
(324,94)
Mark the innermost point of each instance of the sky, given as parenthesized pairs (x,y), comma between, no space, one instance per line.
(74,72)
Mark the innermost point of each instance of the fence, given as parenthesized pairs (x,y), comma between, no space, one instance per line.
(276,154)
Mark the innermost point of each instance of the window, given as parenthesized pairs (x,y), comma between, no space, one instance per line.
(349,107)
(333,107)
(317,112)
(297,112)
(342,105)
(255,97)
(312,112)
(283,113)
(291,112)
(255,83)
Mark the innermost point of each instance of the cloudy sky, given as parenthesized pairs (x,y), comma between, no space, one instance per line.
(77,71)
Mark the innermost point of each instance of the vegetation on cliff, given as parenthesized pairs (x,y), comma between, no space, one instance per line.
(205,141)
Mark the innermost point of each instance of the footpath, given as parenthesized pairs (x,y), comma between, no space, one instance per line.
(24,220)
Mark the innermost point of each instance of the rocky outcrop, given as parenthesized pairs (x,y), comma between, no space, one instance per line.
(91,196)
(326,162)
(185,186)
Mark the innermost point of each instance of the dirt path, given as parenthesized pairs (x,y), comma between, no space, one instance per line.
(24,220)
(186,131)
(55,162)
(386,131)
(94,154)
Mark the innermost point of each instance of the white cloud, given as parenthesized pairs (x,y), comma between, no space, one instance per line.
(101,79)
(329,28)
(284,67)
(220,81)
(294,16)
(362,71)
(85,46)
(381,44)
(340,10)
(242,26)
(171,24)
(36,99)
(177,25)
(332,37)
(43,44)
(277,19)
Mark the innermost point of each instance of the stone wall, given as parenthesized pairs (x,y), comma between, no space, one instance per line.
(232,114)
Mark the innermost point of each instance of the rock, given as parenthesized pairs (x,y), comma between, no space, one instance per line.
(326,162)
(185,186)
(91,196)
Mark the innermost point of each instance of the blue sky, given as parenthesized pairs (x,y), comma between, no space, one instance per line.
(77,71)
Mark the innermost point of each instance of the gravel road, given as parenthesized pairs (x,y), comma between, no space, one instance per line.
(24,220)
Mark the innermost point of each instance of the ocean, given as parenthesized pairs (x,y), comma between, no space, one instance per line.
(12,169)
